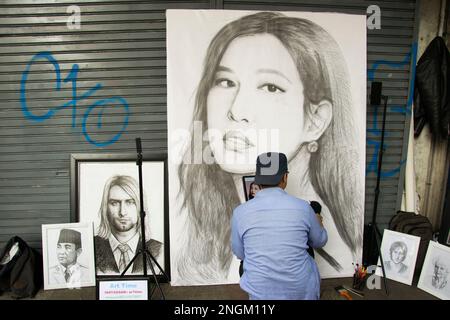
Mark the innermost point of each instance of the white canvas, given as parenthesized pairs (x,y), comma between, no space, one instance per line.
(92,177)
(200,251)
(435,275)
(399,252)
(57,258)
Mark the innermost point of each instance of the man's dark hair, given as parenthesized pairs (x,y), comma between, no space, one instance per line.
(316,207)
(264,186)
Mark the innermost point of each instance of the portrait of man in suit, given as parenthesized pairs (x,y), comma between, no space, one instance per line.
(68,271)
(118,236)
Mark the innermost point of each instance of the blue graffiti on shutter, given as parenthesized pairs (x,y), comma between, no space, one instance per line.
(373,164)
(113,102)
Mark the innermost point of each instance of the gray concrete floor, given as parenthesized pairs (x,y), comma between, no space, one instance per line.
(397,291)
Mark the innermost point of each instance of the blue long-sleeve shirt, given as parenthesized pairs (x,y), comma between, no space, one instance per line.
(271,233)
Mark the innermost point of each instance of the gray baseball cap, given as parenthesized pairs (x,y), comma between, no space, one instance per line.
(270,168)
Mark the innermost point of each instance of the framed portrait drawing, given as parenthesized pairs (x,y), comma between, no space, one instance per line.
(68,255)
(435,275)
(250,188)
(399,252)
(105,190)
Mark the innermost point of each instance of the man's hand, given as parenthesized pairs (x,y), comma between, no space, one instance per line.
(320,219)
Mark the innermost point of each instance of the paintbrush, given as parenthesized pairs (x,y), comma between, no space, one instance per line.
(343,292)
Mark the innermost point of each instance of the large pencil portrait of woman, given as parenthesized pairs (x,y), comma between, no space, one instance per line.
(264,76)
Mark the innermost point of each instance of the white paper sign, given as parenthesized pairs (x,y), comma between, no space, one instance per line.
(123,290)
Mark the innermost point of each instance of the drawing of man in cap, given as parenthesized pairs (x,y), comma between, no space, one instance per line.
(68,271)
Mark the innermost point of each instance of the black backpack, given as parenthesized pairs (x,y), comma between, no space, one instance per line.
(416,225)
(22,274)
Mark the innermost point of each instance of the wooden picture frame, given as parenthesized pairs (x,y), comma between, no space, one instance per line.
(93,177)
(68,255)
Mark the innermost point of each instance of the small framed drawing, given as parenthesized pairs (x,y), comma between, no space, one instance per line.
(399,252)
(434,277)
(250,188)
(68,255)
(105,190)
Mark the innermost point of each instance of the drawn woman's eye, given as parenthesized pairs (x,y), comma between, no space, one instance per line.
(270,87)
(224,83)
(114,203)
(130,202)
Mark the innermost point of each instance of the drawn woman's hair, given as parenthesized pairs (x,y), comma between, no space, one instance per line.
(401,245)
(209,192)
(130,186)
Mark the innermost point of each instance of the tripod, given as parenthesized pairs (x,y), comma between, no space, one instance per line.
(146,254)
(374,231)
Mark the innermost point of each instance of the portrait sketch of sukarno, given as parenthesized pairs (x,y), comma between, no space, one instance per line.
(68,255)
(241,83)
(399,252)
(435,275)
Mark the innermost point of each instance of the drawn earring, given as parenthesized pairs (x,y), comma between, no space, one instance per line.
(230,115)
(313,146)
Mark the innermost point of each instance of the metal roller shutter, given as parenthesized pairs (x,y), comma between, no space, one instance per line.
(121,45)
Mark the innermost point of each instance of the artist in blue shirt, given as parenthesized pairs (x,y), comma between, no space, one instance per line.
(271,234)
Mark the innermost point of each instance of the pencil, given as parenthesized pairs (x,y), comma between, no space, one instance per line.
(357,292)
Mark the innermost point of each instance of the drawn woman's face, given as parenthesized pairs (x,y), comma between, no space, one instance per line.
(256,89)
(398,255)
(254,189)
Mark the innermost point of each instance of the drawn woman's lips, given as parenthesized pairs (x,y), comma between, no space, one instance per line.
(236,141)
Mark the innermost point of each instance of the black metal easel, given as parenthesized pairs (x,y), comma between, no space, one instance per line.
(374,231)
(146,254)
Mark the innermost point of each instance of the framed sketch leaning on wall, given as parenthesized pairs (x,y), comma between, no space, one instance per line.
(68,255)
(399,251)
(435,275)
(105,191)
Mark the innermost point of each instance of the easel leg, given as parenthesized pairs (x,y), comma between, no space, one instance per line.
(130,263)
(377,235)
(157,264)
(154,277)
